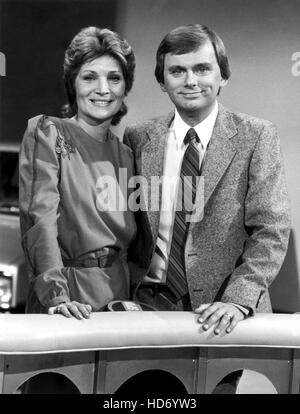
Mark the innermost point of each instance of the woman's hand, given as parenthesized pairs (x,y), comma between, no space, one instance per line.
(69,309)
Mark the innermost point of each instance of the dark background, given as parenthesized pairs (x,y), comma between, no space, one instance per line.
(33,36)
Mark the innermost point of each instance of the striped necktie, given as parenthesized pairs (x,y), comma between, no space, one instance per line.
(176,278)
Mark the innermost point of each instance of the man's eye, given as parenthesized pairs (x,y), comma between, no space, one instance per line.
(203,69)
(176,72)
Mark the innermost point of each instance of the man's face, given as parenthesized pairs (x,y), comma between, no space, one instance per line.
(192,81)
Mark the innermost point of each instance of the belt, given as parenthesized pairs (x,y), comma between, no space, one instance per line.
(105,260)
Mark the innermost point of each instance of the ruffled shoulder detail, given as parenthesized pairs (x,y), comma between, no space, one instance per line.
(63,146)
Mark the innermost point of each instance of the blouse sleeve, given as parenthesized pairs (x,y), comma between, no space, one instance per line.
(39,199)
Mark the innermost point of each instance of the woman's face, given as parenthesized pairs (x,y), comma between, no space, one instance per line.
(100,89)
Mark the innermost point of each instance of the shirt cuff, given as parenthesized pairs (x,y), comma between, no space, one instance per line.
(56,301)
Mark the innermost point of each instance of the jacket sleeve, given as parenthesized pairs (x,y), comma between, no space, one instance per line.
(39,200)
(140,250)
(126,138)
(267,222)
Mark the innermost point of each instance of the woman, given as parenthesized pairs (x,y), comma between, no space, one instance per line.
(75,245)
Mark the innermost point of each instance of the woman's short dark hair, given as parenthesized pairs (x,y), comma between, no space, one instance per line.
(89,44)
(186,39)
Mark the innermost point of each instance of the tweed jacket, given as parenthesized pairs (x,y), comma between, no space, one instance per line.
(236,250)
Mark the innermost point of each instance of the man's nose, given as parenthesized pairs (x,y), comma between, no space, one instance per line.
(190,79)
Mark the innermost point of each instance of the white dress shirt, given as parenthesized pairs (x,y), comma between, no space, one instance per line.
(173,156)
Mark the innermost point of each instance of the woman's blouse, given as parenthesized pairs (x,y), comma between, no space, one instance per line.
(73,205)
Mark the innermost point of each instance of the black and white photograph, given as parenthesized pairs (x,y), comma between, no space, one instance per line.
(149,200)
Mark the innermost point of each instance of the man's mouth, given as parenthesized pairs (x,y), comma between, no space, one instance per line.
(191,95)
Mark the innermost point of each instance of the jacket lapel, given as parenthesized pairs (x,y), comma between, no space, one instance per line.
(152,159)
(220,152)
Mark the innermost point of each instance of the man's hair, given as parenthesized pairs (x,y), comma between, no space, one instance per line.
(89,44)
(186,39)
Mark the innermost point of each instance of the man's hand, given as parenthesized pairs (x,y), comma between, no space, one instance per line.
(224,316)
(69,309)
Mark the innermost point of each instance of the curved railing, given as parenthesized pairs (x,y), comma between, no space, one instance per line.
(101,353)
(36,333)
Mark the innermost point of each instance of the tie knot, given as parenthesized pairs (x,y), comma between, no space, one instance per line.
(191,136)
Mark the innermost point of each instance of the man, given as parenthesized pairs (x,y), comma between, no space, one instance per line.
(221,265)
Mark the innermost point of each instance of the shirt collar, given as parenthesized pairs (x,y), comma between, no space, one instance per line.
(204,129)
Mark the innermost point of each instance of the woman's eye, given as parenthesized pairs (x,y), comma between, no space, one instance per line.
(115,78)
(88,78)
